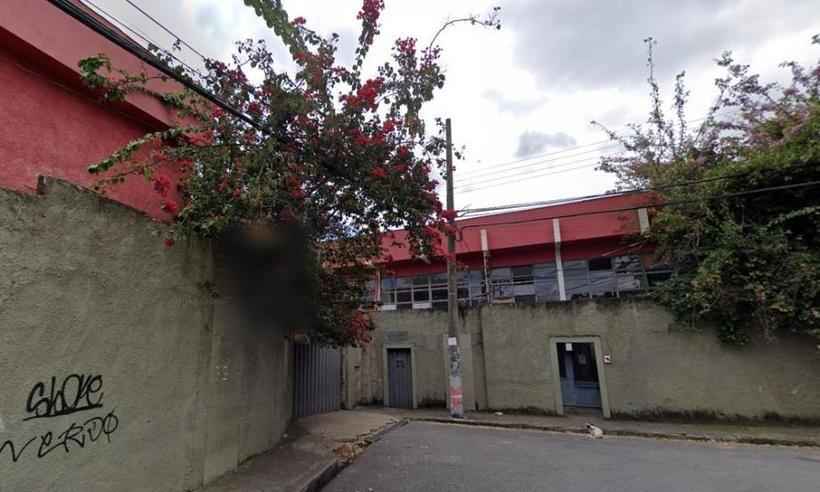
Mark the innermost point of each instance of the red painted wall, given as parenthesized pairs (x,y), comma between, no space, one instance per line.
(526,237)
(580,221)
(50,124)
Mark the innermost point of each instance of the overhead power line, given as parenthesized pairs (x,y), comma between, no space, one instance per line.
(505,166)
(547,154)
(723,196)
(138,33)
(138,51)
(518,178)
(669,186)
(491,172)
(162,26)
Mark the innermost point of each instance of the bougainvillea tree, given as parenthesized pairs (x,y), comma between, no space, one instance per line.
(344,155)
(741,217)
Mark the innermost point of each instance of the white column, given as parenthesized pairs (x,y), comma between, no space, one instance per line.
(559,265)
(485,250)
(643,219)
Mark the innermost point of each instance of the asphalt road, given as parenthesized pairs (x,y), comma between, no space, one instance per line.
(427,457)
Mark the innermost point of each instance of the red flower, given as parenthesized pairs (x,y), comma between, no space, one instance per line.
(237,192)
(360,325)
(406,46)
(168,242)
(400,168)
(361,139)
(366,96)
(254,108)
(201,138)
(371,9)
(224,184)
(448,214)
(237,75)
(162,184)
(378,172)
(217,112)
(170,206)
(298,21)
(389,126)
(429,231)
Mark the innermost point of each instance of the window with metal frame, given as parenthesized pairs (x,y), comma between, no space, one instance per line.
(545,281)
(523,286)
(576,279)
(439,291)
(503,289)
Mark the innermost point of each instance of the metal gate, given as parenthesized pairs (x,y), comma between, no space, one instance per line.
(318,384)
(400,378)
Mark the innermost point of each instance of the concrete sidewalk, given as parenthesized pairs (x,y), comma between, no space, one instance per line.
(315,450)
(784,435)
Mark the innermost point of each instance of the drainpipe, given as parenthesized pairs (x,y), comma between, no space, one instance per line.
(559,264)
(485,249)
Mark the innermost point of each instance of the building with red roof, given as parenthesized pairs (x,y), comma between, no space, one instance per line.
(51,124)
(575,248)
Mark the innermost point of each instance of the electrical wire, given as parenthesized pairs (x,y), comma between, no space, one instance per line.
(654,205)
(491,172)
(161,26)
(548,154)
(113,19)
(502,167)
(138,51)
(505,181)
(648,189)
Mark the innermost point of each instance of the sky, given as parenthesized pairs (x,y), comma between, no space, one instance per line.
(521,99)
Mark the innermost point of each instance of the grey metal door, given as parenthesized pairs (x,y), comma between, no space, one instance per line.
(400,378)
(579,375)
(318,379)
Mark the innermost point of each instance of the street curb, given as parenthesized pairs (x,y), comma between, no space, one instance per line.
(335,466)
(622,433)
(323,476)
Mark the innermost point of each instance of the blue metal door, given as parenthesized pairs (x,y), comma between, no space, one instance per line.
(400,378)
(579,375)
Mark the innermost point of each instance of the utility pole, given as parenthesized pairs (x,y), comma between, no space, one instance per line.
(455,391)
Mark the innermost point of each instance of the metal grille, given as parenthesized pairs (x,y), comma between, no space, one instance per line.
(318,385)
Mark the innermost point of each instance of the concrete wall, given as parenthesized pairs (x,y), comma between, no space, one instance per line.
(656,365)
(425,333)
(164,386)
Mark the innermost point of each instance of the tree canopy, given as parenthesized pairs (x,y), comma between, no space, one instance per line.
(738,200)
(343,155)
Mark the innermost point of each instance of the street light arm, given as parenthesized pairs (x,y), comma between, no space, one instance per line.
(492,20)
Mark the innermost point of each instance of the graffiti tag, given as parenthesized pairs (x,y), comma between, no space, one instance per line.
(75,393)
(76,435)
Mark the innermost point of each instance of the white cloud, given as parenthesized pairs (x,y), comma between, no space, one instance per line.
(531,143)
